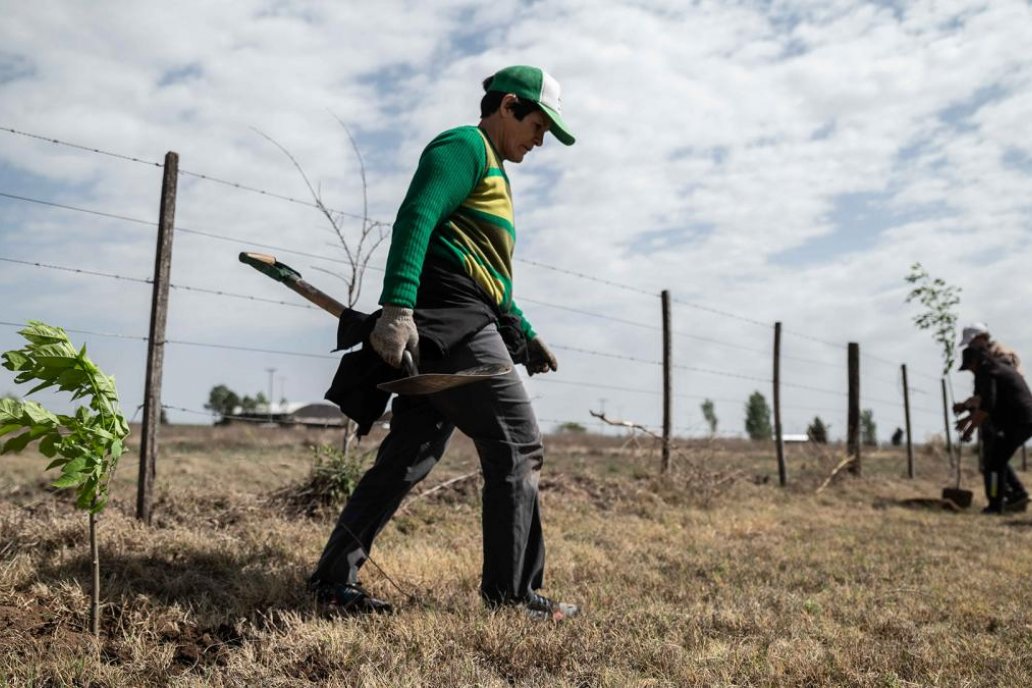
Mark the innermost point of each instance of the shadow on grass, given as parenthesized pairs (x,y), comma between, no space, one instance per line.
(204,603)
(920,504)
(1020,524)
(225,583)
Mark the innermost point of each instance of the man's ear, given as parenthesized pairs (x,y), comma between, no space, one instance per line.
(509,101)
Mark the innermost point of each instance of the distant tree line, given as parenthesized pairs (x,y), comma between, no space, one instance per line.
(225,402)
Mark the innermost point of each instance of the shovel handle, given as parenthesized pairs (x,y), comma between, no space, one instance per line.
(408,364)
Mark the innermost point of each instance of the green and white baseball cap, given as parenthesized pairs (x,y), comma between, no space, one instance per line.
(539,86)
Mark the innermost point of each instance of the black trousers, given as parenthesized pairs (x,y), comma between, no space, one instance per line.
(999,445)
(498,417)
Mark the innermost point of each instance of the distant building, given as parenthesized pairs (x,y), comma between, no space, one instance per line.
(311,414)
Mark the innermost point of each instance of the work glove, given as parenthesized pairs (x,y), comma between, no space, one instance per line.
(539,358)
(965,426)
(395,331)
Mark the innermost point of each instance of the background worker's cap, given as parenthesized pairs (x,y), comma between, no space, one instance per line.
(537,85)
(972,331)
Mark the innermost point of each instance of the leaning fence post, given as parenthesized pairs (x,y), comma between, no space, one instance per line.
(853,414)
(156,340)
(906,414)
(779,440)
(667,402)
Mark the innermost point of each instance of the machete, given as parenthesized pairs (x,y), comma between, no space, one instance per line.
(414,383)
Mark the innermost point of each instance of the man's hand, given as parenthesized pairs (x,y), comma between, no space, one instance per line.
(539,358)
(969,404)
(395,331)
(968,424)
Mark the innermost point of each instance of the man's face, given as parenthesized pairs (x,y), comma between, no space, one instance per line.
(521,136)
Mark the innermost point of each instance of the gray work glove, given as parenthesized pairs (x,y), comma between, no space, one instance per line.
(395,331)
(539,358)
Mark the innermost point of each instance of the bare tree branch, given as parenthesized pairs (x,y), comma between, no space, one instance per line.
(623,424)
(446,483)
(357,252)
(842,464)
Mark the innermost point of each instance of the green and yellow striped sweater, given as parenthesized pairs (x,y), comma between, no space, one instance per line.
(459,210)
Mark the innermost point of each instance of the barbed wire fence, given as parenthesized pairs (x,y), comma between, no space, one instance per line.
(818,353)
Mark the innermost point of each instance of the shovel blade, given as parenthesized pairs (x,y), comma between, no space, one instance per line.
(429,383)
(269,266)
(961,498)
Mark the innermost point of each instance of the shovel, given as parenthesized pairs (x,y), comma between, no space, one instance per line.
(413,383)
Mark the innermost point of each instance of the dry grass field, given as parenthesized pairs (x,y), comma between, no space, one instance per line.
(714,576)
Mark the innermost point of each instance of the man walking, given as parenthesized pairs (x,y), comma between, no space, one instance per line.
(448,301)
(1005,401)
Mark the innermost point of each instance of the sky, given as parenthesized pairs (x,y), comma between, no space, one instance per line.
(762,160)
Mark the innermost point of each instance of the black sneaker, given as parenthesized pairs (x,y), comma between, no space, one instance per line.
(351,599)
(1016,504)
(540,608)
(993,509)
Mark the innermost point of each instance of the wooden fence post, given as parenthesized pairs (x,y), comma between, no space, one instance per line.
(667,396)
(906,414)
(156,344)
(779,440)
(853,414)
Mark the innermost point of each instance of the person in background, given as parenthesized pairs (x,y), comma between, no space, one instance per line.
(1003,398)
(976,336)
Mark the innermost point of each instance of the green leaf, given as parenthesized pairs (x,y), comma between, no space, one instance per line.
(15,360)
(59,461)
(87,493)
(75,466)
(101,432)
(10,409)
(4,429)
(48,445)
(37,431)
(40,386)
(71,378)
(39,415)
(16,444)
(66,481)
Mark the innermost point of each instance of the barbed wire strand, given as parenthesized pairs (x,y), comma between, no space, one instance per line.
(78,209)
(185,342)
(183,287)
(182,171)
